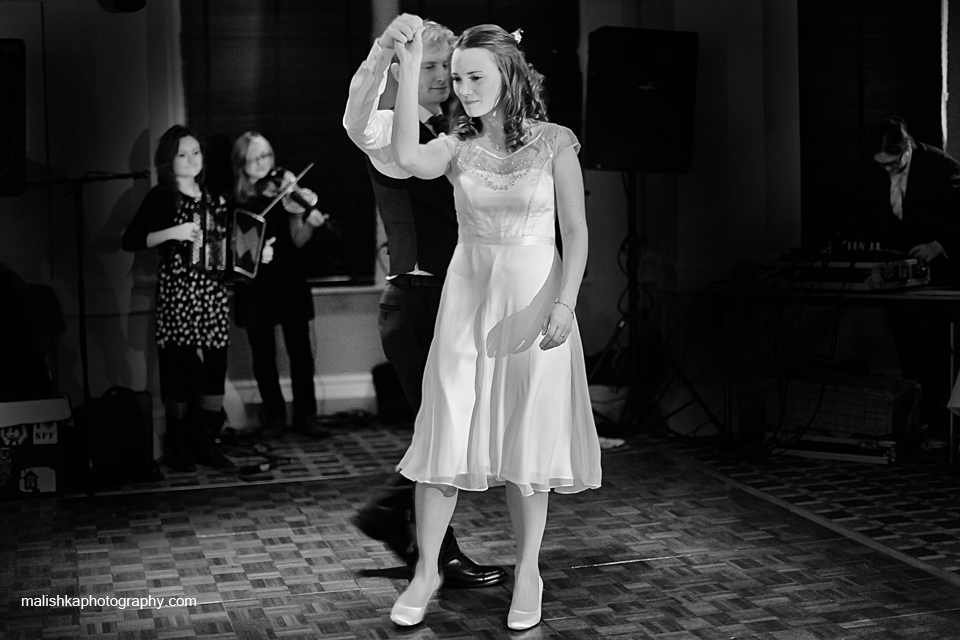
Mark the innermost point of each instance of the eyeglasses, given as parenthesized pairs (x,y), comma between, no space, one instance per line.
(260,158)
(897,161)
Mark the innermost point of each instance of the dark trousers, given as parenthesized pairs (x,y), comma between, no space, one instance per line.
(408,315)
(923,346)
(263,344)
(407,319)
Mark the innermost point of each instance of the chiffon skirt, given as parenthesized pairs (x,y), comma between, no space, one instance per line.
(496,408)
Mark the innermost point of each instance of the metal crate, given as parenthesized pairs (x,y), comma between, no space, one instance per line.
(843,405)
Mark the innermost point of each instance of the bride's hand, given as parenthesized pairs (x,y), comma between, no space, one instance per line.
(412,51)
(556,326)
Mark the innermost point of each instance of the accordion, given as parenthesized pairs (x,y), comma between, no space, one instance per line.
(209,251)
(219,248)
(248,236)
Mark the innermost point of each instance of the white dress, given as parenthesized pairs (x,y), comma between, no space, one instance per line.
(496,408)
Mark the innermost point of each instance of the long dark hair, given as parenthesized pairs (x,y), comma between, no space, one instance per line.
(167,149)
(522,94)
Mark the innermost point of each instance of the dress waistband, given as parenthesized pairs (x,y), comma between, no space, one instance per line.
(415,280)
(521,240)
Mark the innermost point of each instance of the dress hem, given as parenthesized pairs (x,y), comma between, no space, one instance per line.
(557,485)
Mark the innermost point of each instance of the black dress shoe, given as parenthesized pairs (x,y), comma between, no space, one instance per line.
(464,573)
(273,429)
(460,572)
(390,526)
(211,456)
(311,426)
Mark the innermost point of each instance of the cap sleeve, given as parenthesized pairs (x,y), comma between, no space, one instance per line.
(565,140)
(453,144)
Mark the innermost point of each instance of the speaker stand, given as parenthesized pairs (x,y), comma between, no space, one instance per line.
(637,324)
(635,242)
(630,319)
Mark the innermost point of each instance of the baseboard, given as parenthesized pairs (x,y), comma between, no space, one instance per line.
(241,400)
(334,393)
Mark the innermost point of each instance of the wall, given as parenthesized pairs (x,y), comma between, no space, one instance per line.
(101,88)
(117,73)
(739,206)
(730,216)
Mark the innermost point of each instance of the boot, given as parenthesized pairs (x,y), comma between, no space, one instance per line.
(177,449)
(206,429)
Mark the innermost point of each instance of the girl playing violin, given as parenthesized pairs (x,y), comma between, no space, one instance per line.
(279,294)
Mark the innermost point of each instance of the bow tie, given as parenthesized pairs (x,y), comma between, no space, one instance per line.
(438,123)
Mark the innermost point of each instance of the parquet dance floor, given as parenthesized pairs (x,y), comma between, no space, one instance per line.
(679,544)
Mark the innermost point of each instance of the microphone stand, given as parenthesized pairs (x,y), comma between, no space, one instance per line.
(76,185)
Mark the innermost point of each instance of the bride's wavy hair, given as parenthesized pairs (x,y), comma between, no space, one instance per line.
(522,94)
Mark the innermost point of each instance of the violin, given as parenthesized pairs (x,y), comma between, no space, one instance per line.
(296,200)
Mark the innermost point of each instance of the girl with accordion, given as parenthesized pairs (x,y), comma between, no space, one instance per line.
(188,226)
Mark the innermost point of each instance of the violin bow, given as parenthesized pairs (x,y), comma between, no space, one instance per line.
(286,190)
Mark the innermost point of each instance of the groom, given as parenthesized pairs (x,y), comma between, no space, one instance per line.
(421,224)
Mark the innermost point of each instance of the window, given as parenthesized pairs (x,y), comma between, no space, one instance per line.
(282,67)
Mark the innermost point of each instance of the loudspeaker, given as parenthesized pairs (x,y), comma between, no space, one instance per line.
(122,6)
(641,95)
(116,431)
(13,117)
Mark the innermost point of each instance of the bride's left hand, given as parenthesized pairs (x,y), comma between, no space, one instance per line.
(556,327)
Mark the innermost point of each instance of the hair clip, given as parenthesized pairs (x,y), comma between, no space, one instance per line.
(517,35)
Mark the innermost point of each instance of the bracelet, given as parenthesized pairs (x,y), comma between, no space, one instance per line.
(559,301)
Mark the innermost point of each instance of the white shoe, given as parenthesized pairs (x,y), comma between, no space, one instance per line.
(407,616)
(520,620)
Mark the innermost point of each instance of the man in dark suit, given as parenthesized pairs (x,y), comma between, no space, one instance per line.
(421,224)
(912,199)
(911,203)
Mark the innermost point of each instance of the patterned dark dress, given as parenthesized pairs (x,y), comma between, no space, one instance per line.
(192,305)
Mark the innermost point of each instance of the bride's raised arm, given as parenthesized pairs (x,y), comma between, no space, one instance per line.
(424,161)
